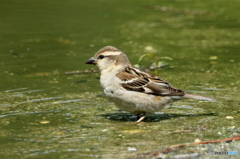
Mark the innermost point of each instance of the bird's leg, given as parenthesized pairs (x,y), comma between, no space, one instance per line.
(140,118)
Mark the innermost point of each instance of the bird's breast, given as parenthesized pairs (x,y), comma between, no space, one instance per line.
(110,84)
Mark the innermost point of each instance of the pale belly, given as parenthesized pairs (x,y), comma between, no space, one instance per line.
(137,102)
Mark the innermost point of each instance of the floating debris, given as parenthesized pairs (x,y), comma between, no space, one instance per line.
(197,140)
(213,58)
(229,117)
(132,131)
(44,122)
(132,149)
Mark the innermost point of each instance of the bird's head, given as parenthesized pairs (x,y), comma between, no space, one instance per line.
(109,58)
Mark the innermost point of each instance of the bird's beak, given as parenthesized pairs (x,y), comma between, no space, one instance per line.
(91,61)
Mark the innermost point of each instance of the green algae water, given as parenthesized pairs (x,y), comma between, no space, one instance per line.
(46,113)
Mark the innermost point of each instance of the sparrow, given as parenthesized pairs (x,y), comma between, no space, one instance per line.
(132,89)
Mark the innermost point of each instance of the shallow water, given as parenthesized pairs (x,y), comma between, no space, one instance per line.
(45,113)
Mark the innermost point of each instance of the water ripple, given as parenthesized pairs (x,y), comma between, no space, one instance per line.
(37,100)
(15,89)
(5,115)
(29,91)
(68,101)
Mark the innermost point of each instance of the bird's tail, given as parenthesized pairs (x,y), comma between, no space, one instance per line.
(199,97)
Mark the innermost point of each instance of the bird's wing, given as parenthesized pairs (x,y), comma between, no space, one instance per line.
(135,80)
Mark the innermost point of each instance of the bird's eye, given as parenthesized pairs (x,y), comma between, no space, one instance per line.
(101,56)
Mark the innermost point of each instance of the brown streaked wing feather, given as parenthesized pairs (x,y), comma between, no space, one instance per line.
(164,90)
(135,80)
(131,82)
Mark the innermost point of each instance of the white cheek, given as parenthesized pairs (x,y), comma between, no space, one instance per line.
(105,65)
(102,64)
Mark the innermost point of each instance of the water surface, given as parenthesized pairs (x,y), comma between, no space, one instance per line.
(45,113)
